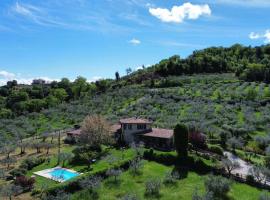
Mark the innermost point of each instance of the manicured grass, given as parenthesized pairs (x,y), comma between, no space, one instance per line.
(182,190)
(98,166)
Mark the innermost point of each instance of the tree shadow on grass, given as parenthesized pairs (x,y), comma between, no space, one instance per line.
(112,183)
(152,196)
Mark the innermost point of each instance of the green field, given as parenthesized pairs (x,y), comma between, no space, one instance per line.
(184,188)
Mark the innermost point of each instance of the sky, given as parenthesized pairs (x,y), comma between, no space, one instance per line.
(52,39)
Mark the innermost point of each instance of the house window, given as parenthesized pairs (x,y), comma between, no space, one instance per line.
(130,126)
(125,126)
(141,126)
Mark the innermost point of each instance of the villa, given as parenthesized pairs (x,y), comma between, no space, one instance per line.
(137,130)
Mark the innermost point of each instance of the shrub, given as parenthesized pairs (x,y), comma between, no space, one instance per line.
(25,183)
(197,139)
(217,185)
(216,149)
(135,166)
(18,172)
(114,172)
(171,177)
(30,163)
(166,159)
(264,196)
(152,187)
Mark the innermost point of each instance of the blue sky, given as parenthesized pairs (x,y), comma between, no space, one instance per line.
(94,38)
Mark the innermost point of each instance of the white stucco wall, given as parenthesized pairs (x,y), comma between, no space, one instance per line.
(130,133)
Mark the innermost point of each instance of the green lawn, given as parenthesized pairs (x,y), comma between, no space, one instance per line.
(182,190)
(98,166)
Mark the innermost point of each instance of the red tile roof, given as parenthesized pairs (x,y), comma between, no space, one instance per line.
(115,127)
(135,121)
(160,133)
(74,132)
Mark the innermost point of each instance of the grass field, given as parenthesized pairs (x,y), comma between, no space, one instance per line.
(98,166)
(184,188)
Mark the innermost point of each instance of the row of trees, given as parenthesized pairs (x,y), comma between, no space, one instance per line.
(249,63)
(18,99)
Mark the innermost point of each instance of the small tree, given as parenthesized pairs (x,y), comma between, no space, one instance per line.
(218,186)
(64,157)
(197,196)
(10,190)
(264,196)
(260,173)
(7,149)
(171,177)
(235,143)
(38,146)
(8,161)
(152,187)
(230,165)
(136,165)
(48,146)
(181,141)
(91,184)
(23,145)
(115,173)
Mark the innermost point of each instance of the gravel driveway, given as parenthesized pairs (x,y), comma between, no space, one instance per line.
(244,166)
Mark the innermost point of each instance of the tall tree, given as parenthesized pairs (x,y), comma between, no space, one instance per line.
(117,76)
(181,141)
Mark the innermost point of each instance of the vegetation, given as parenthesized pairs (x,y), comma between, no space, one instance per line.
(213,112)
(181,141)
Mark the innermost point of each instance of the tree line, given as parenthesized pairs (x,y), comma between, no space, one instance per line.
(248,63)
(17,99)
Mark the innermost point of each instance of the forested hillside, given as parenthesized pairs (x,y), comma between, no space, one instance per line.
(248,63)
(220,105)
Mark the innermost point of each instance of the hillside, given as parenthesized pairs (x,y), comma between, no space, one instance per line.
(219,105)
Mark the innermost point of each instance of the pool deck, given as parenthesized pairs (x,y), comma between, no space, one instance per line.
(46,173)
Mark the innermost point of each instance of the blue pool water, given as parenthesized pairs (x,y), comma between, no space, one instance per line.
(63,174)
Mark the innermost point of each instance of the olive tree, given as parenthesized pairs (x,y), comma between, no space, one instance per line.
(64,157)
(218,186)
(230,165)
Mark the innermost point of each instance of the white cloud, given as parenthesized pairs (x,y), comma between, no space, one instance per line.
(265,36)
(7,75)
(94,79)
(254,36)
(36,15)
(179,13)
(135,41)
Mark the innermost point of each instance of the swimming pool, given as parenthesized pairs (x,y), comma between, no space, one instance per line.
(63,174)
(58,174)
